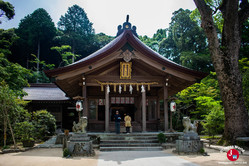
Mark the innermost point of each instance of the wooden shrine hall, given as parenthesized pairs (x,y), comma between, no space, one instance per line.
(128,76)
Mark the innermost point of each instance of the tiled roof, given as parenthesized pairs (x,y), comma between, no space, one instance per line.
(44,92)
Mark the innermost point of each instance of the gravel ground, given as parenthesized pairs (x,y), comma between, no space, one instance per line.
(215,158)
(53,157)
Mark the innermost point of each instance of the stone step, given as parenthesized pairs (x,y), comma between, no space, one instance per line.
(130,141)
(131,148)
(128,138)
(124,134)
(129,145)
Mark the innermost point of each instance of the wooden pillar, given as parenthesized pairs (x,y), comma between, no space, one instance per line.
(165,101)
(158,108)
(144,110)
(84,94)
(106,110)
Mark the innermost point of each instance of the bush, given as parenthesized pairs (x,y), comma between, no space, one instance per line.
(213,123)
(66,152)
(45,124)
(161,138)
(24,131)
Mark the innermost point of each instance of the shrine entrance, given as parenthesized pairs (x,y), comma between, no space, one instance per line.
(123,109)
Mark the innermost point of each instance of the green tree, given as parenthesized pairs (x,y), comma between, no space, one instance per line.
(36,31)
(7,10)
(45,124)
(101,39)
(11,111)
(198,99)
(77,29)
(244,49)
(244,68)
(225,57)
(14,75)
(183,35)
(7,38)
(39,75)
(213,122)
(66,54)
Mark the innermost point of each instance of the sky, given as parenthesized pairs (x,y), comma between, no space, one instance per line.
(147,15)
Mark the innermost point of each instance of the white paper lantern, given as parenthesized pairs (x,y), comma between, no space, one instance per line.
(79,106)
(172,106)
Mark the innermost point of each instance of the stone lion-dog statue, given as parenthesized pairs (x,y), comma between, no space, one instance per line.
(188,126)
(81,126)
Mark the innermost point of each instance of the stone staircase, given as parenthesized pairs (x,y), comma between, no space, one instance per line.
(129,142)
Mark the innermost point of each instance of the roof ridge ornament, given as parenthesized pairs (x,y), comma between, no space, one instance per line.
(127,26)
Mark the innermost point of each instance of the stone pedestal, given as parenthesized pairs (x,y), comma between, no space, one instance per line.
(80,144)
(189,143)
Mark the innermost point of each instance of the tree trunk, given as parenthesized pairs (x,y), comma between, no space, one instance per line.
(5,131)
(38,57)
(225,60)
(11,130)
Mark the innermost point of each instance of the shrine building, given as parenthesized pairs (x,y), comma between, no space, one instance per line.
(128,76)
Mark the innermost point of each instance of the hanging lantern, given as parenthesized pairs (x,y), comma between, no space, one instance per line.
(172,106)
(79,106)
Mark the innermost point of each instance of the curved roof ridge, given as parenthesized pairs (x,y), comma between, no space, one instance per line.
(143,48)
(126,36)
(94,54)
(104,51)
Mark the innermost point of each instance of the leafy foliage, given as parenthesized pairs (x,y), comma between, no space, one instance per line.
(184,35)
(244,68)
(66,54)
(75,21)
(45,124)
(77,31)
(39,76)
(184,42)
(36,32)
(214,121)
(7,38)
(161,138)
(202,101)
(192,99)
(6,9)
(10,104)
(25,131)
(13,74)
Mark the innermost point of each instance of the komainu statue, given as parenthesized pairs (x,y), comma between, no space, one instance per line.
(81,126)
(188,126)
